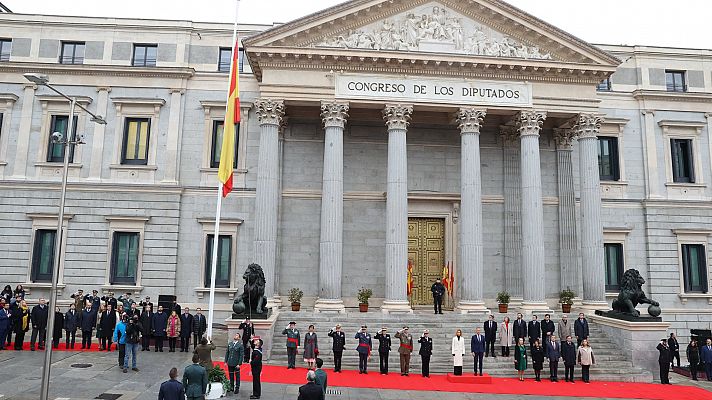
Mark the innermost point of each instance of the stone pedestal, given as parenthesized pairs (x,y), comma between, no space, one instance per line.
(264,328)
(636,340)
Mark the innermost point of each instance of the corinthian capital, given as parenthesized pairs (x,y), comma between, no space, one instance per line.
(397,116)
(529,122)
(587,126)
(270,111)
(510,134)
(334,114)
(469,119)
(564,138)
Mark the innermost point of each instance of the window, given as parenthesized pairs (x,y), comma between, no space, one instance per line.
(124,258)
(675,81)
(135,145)
(144,55)
(240,59)
(222,271)
(694,268)
(215,151)
(608,158)
(5,49)
(226,59)
(72,53)
(614,265)
(683,170)
(43,255)
(604,85)
(55,152)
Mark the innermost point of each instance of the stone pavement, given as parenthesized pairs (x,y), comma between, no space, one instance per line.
(20,380)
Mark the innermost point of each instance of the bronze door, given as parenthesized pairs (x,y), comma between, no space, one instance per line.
(426,252)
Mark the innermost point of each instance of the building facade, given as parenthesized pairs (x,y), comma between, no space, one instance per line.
(374,135)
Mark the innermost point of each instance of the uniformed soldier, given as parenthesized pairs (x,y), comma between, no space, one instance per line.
(293,342)
(384,349)
(405,348)
(426,350)
(339,340)
(364,349)
(438,290)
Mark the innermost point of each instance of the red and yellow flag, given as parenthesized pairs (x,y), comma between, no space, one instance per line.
(232,118)
(446,277)
(410,277)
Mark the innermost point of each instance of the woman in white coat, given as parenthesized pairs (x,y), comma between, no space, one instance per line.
(506,335)
(458,351)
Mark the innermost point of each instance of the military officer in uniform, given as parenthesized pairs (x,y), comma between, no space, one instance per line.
(438,290)
(384,349)
(339,340)
(364,349)
(405,348)
(426,350)
(292,344)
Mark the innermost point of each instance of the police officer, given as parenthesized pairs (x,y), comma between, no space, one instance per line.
(438,290)
(384,349)
(364,349)
(339,341)
(426,350)
(292,344)
(405,348)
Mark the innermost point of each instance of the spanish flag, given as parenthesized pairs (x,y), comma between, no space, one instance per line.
(409,287)
(232,118)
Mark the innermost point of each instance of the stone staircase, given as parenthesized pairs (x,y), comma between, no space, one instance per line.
(611,365)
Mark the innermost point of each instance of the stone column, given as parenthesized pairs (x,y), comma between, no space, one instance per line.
(568,243)
(19,170)
(270,114)
(529,125)
(172,159)
(471,265)
(334,116)
(594,294)
(97,137)
(512,213)
(397,118)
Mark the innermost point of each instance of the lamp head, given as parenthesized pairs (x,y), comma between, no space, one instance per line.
(36,78)
(57,137)
(98,119)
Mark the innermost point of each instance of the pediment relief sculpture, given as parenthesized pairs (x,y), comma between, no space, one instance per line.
(434,28)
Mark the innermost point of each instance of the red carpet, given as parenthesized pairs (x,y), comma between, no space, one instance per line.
(374,380)
(62,347)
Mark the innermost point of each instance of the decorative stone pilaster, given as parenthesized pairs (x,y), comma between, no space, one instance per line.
(512,212)
(397,117)
(172,159)
(97,136)
(270,114)
(471,266)
(334,116)
(594,296)
(529,125)
(570,270)
(19,170)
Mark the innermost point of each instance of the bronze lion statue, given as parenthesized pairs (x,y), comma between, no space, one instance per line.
(253,297)
(631,294)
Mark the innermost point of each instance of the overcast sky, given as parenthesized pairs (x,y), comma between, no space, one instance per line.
(677,23)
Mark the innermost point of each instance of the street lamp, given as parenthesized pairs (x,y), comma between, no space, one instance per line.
(68,141)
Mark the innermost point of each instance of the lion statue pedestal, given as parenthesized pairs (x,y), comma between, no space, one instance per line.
(630,296)
(252,301)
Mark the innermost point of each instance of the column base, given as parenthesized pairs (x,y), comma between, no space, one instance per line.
(329,306)
(590,306)
(529,307)
(472,307)
(396,307)
(274,302)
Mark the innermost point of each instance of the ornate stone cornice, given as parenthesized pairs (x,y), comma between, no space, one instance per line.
(529,122)
(334,114)
(587,126)
(510,134)
(397,116)
(469,119)
(564,138)
(270,111)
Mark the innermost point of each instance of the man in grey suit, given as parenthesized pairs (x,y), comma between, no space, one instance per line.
(553,353)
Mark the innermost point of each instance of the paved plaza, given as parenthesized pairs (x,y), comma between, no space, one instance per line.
(20,380)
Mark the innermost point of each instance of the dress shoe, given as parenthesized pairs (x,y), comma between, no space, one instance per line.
(134,369)
(126,370)
(254,397)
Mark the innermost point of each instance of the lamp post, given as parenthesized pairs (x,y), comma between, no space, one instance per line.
(68,140)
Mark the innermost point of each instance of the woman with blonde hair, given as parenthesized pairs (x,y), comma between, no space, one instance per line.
(458,352)
(520,358)
(585,359)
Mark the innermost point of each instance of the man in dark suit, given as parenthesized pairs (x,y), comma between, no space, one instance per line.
(580,329)
(200,325)
(171,389)
(664,361)
(311,391)
(553,353)
(520,328)
(438,290)
(186,328)
(107,325)
(490,336)
(568,354)
(338,342)
(248,330)
(477,347)
(674,349)
(195,380)
(39,316)
(547,328)
(87,322)
(706,356)
(534,329)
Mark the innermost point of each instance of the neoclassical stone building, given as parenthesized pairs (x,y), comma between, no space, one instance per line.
(375,134)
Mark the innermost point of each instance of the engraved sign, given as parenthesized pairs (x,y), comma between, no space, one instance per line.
(429,90)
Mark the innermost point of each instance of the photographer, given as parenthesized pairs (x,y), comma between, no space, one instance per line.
(133,331)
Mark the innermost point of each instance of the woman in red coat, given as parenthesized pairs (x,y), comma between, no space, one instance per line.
(173,331)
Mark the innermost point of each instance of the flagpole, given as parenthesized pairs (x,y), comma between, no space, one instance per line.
(216,235)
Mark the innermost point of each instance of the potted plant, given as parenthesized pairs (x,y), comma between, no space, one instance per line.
(503,301)
(295,297)
(566,297)
(218,383)
(363,296)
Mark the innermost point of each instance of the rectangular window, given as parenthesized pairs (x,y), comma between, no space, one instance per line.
(226,59)
(240,59)
(55,151)
(675,81)
(72,53)
(608,169)
(683,170)
(43,255)
(135,146)
(694,266)
(222,271)
(5,49)
(216,149)
(614,265)
(604,85)
(144,55)
(124,258)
